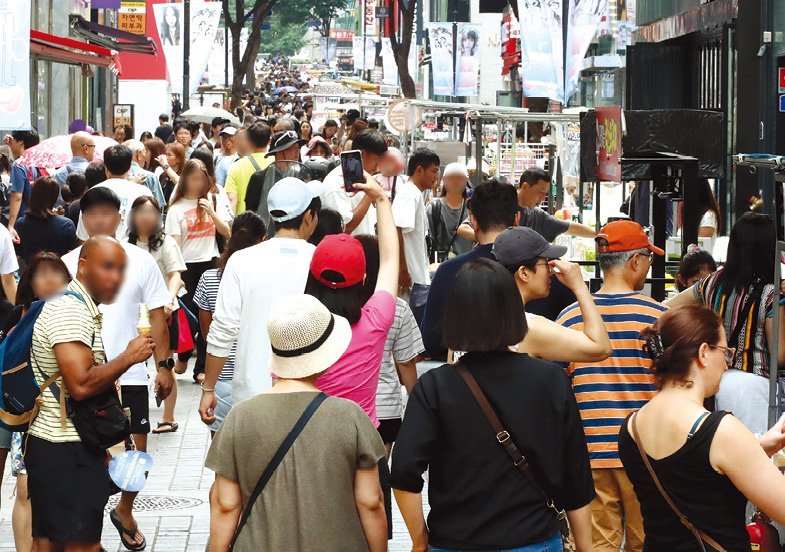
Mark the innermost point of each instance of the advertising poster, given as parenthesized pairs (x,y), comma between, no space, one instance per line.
(542,65)
(389,66)
(440,37)
(15,65)
(358,45)
(585,17)
(467,70)
(204,24)
(131,17)
(609,130)
(370,52)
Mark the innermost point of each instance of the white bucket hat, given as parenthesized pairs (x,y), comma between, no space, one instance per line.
(305,337)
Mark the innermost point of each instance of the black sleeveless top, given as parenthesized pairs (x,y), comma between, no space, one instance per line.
(708,499)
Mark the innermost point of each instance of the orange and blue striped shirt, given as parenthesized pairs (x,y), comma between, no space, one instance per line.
(608,391)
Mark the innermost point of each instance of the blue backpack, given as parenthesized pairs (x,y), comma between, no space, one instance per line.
(19,391)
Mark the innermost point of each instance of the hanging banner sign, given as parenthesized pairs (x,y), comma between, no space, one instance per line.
(370,52)
(467,70)
(131,17)
(440,37)
(204,24)
(584,19)
(340,34)
(358,45)
(370,17)
(609,131)
(389,66)
(542,64)
(15,65)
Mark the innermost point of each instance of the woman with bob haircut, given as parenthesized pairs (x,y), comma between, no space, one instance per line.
(709,464)
(478,499)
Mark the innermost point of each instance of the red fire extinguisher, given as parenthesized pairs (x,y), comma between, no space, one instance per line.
(763,535)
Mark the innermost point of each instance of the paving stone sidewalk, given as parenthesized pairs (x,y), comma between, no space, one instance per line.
(172,510)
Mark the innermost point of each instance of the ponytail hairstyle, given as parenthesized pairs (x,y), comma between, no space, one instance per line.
(247,229)
(674,340)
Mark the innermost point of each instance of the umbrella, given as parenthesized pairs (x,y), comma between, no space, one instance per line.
(56,151)
(206,114)
(289,89)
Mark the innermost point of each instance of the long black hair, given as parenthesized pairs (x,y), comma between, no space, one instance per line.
(247,229)
(705,201)
(154,241)
(750,253)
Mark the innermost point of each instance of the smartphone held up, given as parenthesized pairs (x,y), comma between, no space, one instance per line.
(352,168)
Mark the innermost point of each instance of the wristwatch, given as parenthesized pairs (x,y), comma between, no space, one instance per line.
(168,364)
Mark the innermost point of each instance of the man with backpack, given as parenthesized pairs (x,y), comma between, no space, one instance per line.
(22,177)
(67,479)
(240,173)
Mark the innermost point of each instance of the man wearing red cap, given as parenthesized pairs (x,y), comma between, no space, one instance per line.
(608,391)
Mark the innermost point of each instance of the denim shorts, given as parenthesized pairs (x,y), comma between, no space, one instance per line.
(553,544)
(223,402)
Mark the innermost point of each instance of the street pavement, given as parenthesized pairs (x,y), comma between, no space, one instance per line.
(172,510)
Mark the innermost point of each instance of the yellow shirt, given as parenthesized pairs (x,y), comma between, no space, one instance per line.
(240,174)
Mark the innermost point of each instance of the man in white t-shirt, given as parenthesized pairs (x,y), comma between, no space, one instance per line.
(8,264)
(409,213)
(117,164)
(357,213)
(143,284)
(254,279)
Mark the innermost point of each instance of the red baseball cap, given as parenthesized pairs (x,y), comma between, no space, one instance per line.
(624,235)
(339,261)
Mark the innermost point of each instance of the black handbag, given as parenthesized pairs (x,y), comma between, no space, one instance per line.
(100,420)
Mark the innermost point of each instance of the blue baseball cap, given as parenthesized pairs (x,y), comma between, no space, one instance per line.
(290,197)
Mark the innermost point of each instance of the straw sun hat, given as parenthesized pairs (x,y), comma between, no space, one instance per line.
(305,337)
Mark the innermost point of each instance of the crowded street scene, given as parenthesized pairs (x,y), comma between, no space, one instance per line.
(390,275)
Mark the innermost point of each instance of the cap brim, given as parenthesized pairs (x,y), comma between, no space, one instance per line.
(316,361)
(655,249)
(316,187)
(554,252)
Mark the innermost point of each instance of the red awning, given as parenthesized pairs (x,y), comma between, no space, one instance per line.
(67,50)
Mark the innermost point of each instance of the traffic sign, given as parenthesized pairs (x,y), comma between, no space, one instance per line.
(781,86)
(382,12)
(782,104)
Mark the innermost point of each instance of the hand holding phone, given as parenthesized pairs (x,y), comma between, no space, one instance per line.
(352,167)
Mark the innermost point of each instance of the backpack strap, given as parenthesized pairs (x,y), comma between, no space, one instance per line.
(699,535)
(256,166)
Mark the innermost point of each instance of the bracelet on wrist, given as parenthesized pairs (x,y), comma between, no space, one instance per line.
(206,390)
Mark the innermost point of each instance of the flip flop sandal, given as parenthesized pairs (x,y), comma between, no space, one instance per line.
(165,427)
(130,533)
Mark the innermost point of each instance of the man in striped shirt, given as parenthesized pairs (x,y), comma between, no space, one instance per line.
(608,391)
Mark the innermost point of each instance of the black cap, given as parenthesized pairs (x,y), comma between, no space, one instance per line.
(519,244)
(284,140)
(219,121)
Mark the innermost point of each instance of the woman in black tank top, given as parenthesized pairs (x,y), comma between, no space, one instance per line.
(705,465)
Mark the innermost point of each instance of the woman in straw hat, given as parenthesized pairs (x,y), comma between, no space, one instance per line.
(277,488)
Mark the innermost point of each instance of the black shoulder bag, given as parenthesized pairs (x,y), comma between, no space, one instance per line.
(275,462)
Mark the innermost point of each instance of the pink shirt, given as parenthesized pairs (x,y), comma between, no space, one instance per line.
(356,374)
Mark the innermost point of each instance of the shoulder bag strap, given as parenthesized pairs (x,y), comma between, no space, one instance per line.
(503,437)
(699,535)
(256,166)
(276,461)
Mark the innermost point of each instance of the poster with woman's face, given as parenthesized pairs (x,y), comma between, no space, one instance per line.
(440,37)
(468,60)
(169,26)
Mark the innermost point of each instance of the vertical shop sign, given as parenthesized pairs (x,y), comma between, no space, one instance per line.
(15,65)
(131,17)
(609,131)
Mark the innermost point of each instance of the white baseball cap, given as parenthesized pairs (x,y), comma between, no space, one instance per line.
(455,168)
(290,197)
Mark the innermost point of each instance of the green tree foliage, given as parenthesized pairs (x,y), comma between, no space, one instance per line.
(282,38)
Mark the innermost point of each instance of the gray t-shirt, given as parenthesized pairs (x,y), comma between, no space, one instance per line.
(541,222)
(308,504)
(443,222)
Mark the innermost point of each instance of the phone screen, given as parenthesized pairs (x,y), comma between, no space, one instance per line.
(352,167)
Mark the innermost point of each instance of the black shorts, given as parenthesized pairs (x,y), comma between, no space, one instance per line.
(68,485)
(389,429)
(137,398)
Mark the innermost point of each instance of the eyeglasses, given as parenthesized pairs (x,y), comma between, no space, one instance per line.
(730,352)
(546,265)
(89,145)
(649,256)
